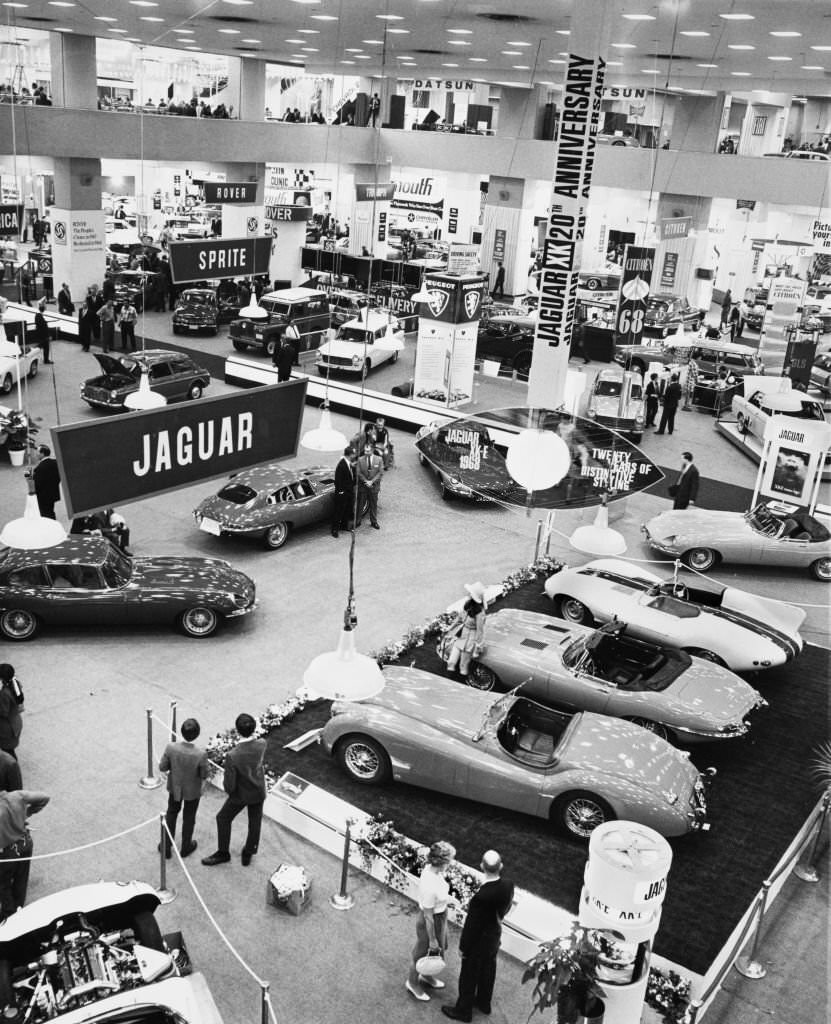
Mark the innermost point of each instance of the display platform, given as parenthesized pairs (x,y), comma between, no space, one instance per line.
(751,445)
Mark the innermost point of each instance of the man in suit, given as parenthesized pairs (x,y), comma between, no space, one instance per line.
(65,303)
(672,396)
(685,490)
(479,942)
(344,491)
(370,468)
(653,398)
(499,283)
(47,482)
(244,783)
(187,770)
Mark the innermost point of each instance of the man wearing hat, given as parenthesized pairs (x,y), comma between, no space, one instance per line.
(470,640)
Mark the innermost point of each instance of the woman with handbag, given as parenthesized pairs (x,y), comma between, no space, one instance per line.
(470,640)
(11,704)
(431,923)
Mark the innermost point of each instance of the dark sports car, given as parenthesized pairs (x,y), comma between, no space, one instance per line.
(269,501)
(576,770)
(87,581)
(666,312)
(509,341)
(448,448)
(96,953)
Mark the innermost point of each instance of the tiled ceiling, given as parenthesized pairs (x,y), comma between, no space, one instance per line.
(776,45)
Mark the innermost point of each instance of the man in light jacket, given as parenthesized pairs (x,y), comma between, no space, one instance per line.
(187,770)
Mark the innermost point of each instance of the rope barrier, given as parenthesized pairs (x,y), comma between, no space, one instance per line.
(84,846)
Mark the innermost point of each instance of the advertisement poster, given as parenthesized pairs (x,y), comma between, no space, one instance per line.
(602,462)
(669,270)
(11,217)
(799,360)
(418,201)
(785,298)
(795,456)
(638,264)
(463,258)
(499,240)
(445,358)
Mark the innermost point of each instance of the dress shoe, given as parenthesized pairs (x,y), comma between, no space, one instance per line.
(216,858)
(168,851)
(453,1013)
(483,1009)
(188,850)
(431,982)
(246,858)
(422,996)
(376,526)
(335,533)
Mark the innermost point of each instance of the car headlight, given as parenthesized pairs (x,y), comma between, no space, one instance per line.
(639,418)
(243,598)
(113,394)
(592,413)
(356,360)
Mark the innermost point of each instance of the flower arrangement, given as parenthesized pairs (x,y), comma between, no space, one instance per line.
(288,879)
(432,629)
(565,974)
(18,428)
(669,995)
(378,837)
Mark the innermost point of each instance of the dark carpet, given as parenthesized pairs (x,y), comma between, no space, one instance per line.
(760,798)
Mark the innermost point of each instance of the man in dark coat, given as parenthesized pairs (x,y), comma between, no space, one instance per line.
(685,489)
(672,396)
(284,357)
(16,846)
(499,283)
(479,942)
(344,491)
(40,332)
(653,399)
(47,482)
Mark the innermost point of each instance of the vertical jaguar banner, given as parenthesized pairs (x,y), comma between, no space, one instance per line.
(638,264)
(573,154)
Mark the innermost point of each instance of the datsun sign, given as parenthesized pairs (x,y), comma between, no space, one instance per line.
(136,455)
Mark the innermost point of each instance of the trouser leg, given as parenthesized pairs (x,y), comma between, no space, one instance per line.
(225,816)
(188,821)
(255,821)
(172,815)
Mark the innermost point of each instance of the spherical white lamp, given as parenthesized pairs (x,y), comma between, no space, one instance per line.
(598,539)
(344,674)
(144,398)
(538,459)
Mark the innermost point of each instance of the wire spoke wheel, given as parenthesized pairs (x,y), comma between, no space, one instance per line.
(199,621)
(18,624)
(581,813)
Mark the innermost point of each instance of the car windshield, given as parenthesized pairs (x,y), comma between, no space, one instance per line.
(656,306)
(612,389)
(117,568)
(276,307)
(196,298)
(823,363)
(239,494)
(809,411)
(358,334)
(131,367)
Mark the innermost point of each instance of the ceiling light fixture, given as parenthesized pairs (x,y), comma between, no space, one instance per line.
(228,31)
(478,60)
(822,49)
(785,34)
(694,34)
(740,74)
(389,17)
(812,67)
(780,58)
(460,31)
(563,32)
(639,17)
(324,17)
(738,17)
(624,46)
(706,65)
(398,31)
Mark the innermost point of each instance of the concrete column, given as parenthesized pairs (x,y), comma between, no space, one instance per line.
(507,227)
(696,123)
(244,220)
(518,112)
(74,73)
(252,89)
(78,226)
(369,218)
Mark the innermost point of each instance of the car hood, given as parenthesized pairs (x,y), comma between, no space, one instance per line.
(111,366)
(180,571)
(195,308)
(714,692)
(704,525)
(224,511)
(609,406)
(615,747)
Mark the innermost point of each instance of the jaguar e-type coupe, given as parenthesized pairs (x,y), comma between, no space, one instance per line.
(88,581)
(605,670)
(507,751)
(773,533)
(95,953)
(722,624)
(269,502)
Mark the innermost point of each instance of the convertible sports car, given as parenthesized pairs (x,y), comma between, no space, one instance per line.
(96,953)
(575,770)
(753,413)
(12,364)
(579,668)
(722,624)
(773,533)
(447,448)
(269,501)
(88,581)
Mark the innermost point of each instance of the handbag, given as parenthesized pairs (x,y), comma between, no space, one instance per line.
(432,964)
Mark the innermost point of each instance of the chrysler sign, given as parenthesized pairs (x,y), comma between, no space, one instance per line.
(219,258)
(140,454)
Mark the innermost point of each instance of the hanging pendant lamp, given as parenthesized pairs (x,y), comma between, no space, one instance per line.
(324,438)
(599,538)
(344,674)
(144,398)
(33,530)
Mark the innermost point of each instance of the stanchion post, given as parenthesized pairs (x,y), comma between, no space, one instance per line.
(695,1008)
(150,780)
(173,729)
(165,894)
(263,1002)
(538,541)
(807,870)
(749,966)
(342,900)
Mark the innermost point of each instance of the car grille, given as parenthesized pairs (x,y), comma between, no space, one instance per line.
(336,360)
(616,422)
(244,327)
(97,394)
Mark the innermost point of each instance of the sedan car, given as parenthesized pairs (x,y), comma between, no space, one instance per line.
(173,374)
(96,953)
(754,412)
(574,770)
(756,303)
(665,313)
(144,288)
(722,624)
(370,340)
(12,364)
(599,280)
(508,340)
(270,502)
(674,694)
(604,404)
(87,581)
(201,309)
(772,533)
(821,373)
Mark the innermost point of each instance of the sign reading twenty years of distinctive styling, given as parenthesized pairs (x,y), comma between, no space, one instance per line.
(231,192)
(219,258)
(145,453)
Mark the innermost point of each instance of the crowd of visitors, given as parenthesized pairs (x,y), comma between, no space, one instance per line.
(183,108)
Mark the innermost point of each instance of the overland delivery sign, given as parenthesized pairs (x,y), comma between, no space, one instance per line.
(141,454)
(219,258)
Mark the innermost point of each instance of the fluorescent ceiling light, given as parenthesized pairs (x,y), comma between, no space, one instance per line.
(514,42)
(639,17)
(323,17)
(478,60)
(740,46)
(460,31)
(738,17)
(624,46)
(780,58)
(694,34)
(786,35)
(706,65)
(389,17)
(740,74)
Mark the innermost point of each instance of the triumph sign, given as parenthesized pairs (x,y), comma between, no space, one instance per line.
(140,454)
(573,167)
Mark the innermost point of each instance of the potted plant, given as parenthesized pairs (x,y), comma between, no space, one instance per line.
(565,975)
(16,428)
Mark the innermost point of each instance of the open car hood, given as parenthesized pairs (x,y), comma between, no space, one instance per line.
(111,366)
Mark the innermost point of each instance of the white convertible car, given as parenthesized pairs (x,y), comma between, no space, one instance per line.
(723,624)
(12,364)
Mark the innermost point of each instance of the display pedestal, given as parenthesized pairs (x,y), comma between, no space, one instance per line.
(294,900)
